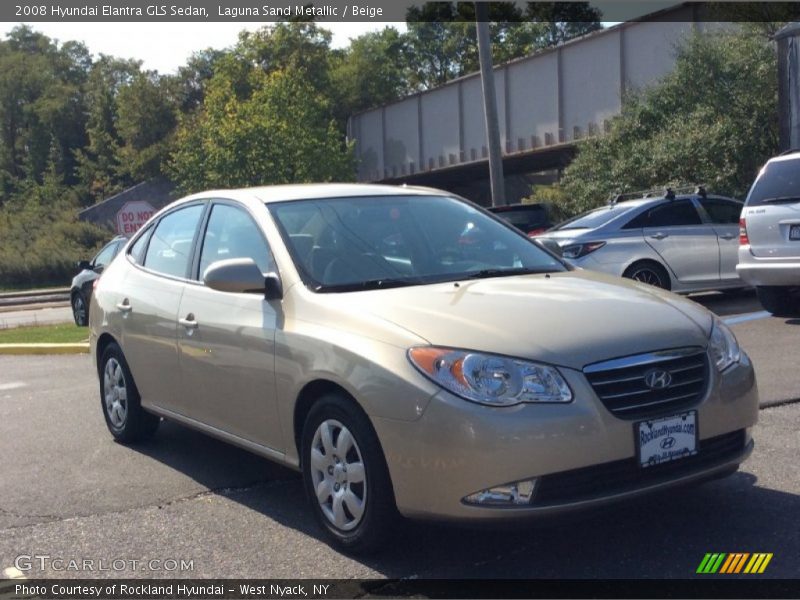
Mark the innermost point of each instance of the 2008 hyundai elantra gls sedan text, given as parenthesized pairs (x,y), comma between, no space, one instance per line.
(358,334)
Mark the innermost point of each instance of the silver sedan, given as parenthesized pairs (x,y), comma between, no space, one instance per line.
(683,243)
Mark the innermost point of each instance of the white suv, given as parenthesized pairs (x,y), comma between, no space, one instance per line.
(769,235)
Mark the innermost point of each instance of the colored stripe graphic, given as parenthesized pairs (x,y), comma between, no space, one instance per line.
(733,563)
(711,562)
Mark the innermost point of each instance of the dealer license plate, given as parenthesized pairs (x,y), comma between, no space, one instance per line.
(662,440)
(794,232)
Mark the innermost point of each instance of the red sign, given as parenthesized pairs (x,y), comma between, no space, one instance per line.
(132,216)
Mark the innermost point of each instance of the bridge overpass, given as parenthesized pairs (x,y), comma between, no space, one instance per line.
(546,102)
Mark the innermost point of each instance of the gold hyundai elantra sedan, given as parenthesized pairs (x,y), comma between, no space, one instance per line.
(412,355)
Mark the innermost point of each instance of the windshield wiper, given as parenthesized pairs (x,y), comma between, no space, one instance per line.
(486,273)
(779,199)
(370,284)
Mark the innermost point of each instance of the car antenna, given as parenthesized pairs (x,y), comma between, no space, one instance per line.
(669,194)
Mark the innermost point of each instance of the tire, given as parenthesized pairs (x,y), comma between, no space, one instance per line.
(127,421)
(367,489)
(650,272)
(779,300)
(80,309)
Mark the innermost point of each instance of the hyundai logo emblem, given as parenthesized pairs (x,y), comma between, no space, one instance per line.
(657,379)
(667,443)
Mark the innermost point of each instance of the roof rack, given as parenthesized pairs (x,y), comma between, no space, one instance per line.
(789,151)
(664,192)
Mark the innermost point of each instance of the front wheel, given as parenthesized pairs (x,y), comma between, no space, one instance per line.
(80,310)
(780,301)
(345,475)
(650,273)
(127,421)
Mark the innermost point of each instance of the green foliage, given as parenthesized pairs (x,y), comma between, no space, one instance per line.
(281,133)
(66,333)
(713,120)
(42,238)
(553,195)
(371,72)
(441,42)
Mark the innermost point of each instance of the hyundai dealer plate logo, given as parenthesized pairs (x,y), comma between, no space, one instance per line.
(667,443)
(657,379)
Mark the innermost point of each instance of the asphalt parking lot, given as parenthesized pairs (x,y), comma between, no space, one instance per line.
(68,491)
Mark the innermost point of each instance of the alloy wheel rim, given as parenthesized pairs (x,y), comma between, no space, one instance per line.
(338,475)
(647,276)
(115,393)
(79,309)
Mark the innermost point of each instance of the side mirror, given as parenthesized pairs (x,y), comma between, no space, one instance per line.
(551,245)
(83,265)
(242,276)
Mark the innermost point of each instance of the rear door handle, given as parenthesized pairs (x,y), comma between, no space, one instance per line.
(659,236)
(189,322)
(727,236)
(125,306)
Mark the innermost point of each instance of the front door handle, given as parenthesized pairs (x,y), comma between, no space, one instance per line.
(189,322)
(125,306)
(659,236)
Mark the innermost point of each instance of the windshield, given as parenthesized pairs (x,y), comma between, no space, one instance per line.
(780,180)
(345,244)
(594,218)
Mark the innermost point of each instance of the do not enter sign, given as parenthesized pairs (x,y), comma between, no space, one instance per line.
(132,216)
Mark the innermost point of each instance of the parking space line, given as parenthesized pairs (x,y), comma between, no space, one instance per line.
(762,314)
(13,385)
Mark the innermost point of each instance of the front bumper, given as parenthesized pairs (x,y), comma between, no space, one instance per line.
(458,448)
(767,271)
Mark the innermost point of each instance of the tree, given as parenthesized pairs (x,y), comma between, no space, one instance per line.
(371,71)
(146,119)
(281,133)
(442,40)
(713,120)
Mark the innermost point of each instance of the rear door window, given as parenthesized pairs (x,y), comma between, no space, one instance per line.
(722,212)
(676,213)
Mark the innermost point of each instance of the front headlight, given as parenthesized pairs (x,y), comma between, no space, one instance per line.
(722,345)
(490,379)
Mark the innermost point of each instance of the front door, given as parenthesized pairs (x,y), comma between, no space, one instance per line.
(226,341)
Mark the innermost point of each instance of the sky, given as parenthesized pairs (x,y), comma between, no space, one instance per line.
(165,46)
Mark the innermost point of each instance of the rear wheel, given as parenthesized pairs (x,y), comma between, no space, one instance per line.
(126,419)
(80,310)
(345,475)
(780,301)
(649,272)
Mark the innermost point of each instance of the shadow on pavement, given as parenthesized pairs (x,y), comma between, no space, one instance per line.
(725,304)
(664,536)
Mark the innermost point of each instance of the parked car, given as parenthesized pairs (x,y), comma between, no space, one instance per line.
(769,238)
(531,219)
(344,331)
(679,242)
(89,270)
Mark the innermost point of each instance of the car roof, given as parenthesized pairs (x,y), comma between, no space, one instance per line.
(315,191)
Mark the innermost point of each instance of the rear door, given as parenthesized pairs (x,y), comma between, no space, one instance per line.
(724,214)
(772,210)
(148,303)
(688,246)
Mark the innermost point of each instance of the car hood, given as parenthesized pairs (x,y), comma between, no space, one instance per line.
(569,319)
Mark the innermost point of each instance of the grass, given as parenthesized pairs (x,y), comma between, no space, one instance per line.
(45,334)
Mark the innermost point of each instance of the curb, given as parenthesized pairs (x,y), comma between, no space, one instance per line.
(22,349)
(6,308)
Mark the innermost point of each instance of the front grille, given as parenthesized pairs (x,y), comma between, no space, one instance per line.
(625,475)
(620,383)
